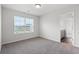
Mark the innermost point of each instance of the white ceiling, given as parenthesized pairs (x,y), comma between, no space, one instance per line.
(30,8)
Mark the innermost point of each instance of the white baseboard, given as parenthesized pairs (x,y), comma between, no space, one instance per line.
(7,42)
(49,39)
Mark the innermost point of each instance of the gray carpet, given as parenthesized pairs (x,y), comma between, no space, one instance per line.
(37,46)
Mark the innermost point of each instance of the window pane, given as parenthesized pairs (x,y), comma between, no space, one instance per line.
(19,25)
(23,25)
(29,24)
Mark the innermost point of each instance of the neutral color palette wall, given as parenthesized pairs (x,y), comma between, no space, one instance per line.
(8,35)
(50,24)
(0,27)
(50,27)
(76,25)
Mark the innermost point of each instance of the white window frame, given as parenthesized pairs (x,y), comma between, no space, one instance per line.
(25,23)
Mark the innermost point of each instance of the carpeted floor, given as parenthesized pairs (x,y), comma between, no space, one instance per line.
(37,46)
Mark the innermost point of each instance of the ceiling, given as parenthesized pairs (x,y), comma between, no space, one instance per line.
(30,8)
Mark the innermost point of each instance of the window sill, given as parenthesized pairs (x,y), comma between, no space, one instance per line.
(23,32)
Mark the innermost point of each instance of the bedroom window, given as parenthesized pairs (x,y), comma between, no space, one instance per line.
(23,24)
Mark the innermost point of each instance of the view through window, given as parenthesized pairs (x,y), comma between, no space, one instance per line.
(23,24)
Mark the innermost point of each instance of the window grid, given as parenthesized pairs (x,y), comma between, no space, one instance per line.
(23,24)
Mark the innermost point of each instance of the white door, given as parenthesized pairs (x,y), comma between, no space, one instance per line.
(70,27)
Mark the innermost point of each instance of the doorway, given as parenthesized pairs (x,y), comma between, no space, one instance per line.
(67,28)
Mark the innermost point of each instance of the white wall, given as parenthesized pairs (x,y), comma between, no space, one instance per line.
(0,27)
(49,27)
(50,24)
(76,25)
(8,35)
